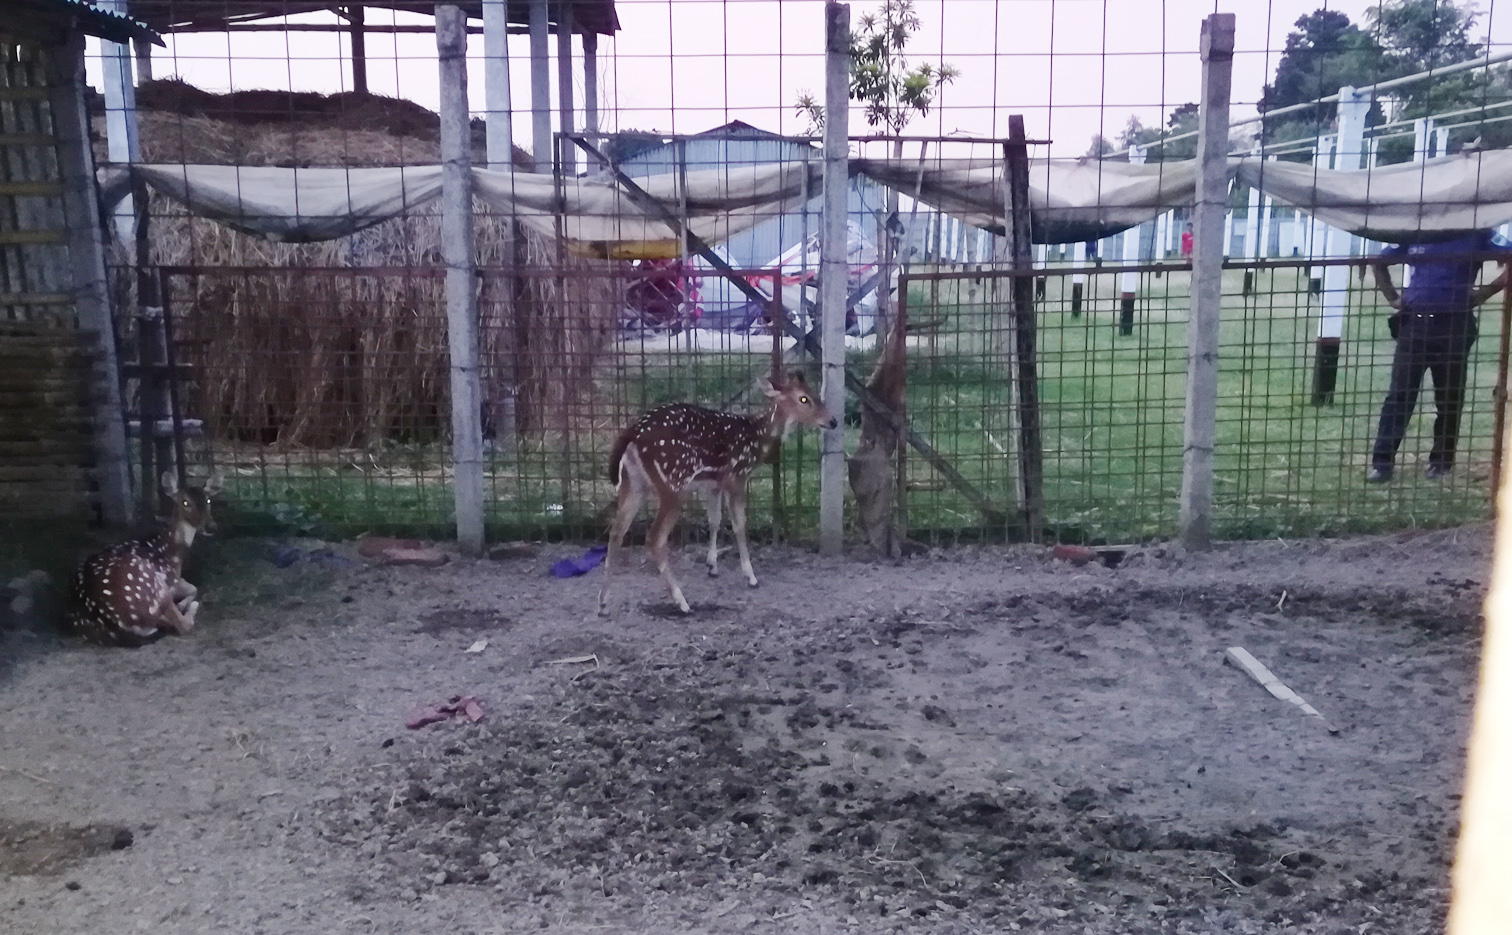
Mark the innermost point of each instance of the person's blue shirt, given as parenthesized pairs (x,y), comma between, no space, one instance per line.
(1442,275)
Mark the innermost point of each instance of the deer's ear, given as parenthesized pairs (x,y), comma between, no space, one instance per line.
(169,480)
(771,389)
(215,482)
(796,379)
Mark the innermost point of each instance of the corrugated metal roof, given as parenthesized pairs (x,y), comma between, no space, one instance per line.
(86,17)
(595,16)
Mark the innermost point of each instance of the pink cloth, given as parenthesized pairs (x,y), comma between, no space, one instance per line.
(465,705)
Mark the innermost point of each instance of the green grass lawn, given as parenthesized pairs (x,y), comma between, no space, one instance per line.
(1111,408)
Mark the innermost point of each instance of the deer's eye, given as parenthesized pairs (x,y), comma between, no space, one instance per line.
(803,400)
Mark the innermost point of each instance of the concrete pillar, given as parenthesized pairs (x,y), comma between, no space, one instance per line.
(498,108)
(565,96)
(121,144)
(540,85)
(590,83)
(1353,107)
(1128,287)
(1078,278)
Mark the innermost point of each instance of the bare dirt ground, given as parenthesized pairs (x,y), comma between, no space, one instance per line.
(977,740)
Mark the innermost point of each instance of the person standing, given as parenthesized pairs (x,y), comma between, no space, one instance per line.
(1434,326)
(1186,243)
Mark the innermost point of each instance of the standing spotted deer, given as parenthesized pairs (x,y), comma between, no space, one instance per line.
(677,448)
(134,592)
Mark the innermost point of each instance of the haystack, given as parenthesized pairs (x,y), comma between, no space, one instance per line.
(344,343)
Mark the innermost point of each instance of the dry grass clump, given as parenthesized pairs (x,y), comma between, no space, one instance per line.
(345,343)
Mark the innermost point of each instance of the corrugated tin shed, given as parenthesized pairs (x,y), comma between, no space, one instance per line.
(737,144)
(589,16)
(51,20)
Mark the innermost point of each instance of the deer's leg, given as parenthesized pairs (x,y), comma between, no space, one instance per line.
(168,615)
(183,593)
(669,507)
(737,494)
(715,502)
(630,496)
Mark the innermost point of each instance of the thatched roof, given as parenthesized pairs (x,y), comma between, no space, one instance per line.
(181,123)
(589,16)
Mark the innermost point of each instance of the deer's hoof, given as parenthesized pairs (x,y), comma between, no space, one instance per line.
(713,571)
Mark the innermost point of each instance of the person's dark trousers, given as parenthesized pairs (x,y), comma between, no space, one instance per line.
(1437,344)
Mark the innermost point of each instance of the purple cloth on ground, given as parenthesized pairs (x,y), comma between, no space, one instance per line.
(572,567)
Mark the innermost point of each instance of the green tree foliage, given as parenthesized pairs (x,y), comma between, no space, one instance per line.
(892,91)
(1400,37)
(1416,35)
(1183,119)
(1324,53)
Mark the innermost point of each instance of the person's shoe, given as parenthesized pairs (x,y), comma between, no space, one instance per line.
(1438,471)
(1378,474)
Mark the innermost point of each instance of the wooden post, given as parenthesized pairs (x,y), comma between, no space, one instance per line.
(779,334)
(900,467)
(540,86)
(1201,420)
(86,252)
(359,49)
(461,278)
(833,270)
(155,407)
(564,21)
(1026,369)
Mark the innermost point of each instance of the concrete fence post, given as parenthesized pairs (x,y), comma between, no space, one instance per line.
(461,278)
(1200,427)
(833,269)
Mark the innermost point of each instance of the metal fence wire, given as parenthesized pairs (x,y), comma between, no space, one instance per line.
(319,375)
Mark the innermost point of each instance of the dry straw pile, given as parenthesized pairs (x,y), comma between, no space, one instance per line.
(344,343)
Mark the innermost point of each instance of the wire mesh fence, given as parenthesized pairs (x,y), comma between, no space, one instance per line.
(319,374)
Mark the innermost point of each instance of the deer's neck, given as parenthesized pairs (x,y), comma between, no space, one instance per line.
(772,428)
(173,541)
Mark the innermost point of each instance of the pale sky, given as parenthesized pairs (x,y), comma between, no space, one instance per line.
(1072,67)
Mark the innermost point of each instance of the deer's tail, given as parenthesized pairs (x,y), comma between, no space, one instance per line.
(617,453)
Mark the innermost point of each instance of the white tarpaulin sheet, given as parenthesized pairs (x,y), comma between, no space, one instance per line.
(288,205)
(1070,200)
(598,217)
(1407,203)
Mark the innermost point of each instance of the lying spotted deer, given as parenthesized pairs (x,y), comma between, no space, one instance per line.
(674,449)
(134,592)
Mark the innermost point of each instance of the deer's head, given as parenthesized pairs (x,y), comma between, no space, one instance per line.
(794,403)
(191,506)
